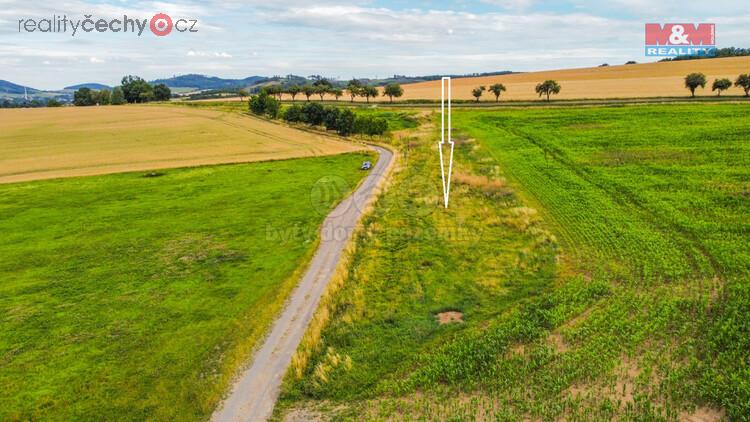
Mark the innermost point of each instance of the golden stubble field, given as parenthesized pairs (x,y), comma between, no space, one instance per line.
(645,80)
(664,79)
(81,141)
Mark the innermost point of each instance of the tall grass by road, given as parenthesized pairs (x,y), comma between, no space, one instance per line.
(605,275)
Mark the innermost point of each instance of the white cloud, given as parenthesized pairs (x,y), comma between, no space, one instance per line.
(220,54)
(344,38)
(511,4)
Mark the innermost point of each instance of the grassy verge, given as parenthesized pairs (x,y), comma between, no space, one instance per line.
(604,274)
(126,297)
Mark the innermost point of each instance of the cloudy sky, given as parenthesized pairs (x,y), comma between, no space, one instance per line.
(344,39)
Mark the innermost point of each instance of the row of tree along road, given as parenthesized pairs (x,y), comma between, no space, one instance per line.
(132,90)
(694,81)
(344,121)
(323,87)
(546,88)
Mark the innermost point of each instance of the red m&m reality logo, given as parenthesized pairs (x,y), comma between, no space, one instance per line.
(680,39)
(161,24)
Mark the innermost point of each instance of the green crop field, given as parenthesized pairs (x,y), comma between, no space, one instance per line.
(596,256)
(137,296)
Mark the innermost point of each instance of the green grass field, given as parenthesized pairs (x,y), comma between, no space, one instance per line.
(125,297)
(598,255)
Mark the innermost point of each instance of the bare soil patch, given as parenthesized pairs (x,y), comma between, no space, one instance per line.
(449,317)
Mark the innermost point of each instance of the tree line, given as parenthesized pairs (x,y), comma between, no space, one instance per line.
(322,87)
(546,88)
(132,89)
(694,81)
(344,122)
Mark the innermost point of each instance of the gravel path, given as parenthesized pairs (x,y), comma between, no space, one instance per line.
(255,392)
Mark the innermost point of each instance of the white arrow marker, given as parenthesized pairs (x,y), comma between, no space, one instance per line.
(446,183)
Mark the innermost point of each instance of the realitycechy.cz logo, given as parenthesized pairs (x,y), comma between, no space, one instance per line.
(160,24)
(680,39)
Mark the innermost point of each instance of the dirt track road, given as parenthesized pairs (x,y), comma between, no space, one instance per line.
(254,393)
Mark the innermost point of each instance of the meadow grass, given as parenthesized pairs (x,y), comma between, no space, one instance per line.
(136,296)
(604,276)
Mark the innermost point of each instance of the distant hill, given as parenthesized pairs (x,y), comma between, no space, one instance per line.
(11,88)
(92,85)
(208,82)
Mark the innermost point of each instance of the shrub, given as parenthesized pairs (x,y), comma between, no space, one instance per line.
(369,125)
(345,123)
(293,114)
(313,114)
(331,118)
(263,103)
(273,107)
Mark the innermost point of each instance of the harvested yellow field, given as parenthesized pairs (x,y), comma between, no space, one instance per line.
(664,79)
(80,141)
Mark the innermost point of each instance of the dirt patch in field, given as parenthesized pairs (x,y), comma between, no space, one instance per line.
(180,255)
(556,341)
(302,415)
(483,183)
(449,317)
(702,414)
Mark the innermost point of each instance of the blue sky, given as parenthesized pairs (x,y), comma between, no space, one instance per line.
(344,39)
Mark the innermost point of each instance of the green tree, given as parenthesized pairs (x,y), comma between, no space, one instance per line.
(478,91)
(146,96)
(162,92)
(322,90)
(497,89)
(337,93)
(53,103)
(293,91)
(743,81)
(693,81)
(135,89)
(102,97)
(116,97)
(369,125)
(354,87)
(331,118)
(308,91)
(323,82)
(721,85)
(369,92)
(393,90)
(293,114)
(275,91)
(84,97)
(313,114)
(242,94)
(345,123)
(548,88)
(264,104)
